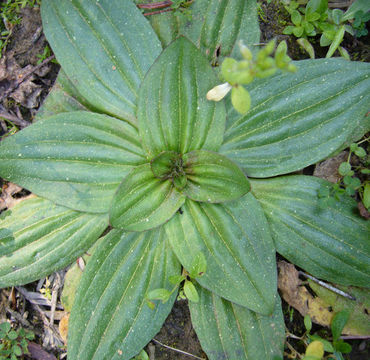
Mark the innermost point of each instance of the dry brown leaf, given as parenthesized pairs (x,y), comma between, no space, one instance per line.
(296,295)
(7,201)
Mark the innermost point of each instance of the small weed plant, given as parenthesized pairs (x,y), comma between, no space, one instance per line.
(13,343)
(316,18)
(180,193)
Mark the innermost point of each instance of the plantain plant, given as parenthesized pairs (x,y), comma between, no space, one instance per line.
(128,147)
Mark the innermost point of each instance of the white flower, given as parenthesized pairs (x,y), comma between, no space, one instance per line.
(218,92)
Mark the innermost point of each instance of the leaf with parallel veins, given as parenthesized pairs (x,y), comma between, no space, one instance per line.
(143,202)
(212,177)
(173,112)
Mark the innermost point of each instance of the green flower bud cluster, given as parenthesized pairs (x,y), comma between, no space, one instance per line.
(238,73)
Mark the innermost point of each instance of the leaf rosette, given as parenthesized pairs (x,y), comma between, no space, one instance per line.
(128,139)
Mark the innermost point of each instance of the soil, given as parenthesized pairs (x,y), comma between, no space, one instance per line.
(20,106)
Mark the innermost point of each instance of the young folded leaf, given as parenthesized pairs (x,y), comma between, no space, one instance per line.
(143,202)
(213,178)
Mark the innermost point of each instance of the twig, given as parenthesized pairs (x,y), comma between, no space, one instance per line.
(15,119)
(157,12)
(177,350)
(157,5)
(25,76)
(354,337)
(328,286)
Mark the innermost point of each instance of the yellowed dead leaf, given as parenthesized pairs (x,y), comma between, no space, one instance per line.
(322,308)
(63,327)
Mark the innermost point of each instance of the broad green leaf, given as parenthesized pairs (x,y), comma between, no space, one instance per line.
(215,27)
(213,178)
(143,202)
(63,97)
(218,25)
(173,112)
(234,238)
(38,237)
(76,159)
(110,318)
(332,243)
(229,331)
(104,58)
(299,119)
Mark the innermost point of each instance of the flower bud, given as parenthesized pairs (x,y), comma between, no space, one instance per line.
(218,92)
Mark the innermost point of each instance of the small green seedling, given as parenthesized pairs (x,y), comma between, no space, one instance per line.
(316,18)
(14,343)
(317,345)
(188,291)
(349,183)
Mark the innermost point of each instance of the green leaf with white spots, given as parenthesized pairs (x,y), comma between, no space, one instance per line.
(173,112)
(77,159)
(110,319)
(38,237)
(105,60)
(299,119)
(331,243)
(229,331)
(143,202)
(235,240)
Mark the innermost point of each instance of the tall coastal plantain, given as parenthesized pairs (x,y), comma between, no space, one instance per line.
(127,139)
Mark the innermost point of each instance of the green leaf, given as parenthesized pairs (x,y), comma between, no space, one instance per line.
(330,243)
(103,57)
(338,38)
(76,159)
(366,196)
(299,119)
(63,97)
(236,243)
(213,178)
(17,350)
(342,346)
(159,294)
(307,323)
(190,291)
(173,112)
(38,237)
(240,99)
(338,323)
(217,26)
(5,327)
(176,279)
(360,152)
(344,168)
(110,318)
(198,266)
(12,335)
(228,331)
(143,202)
(296,17)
